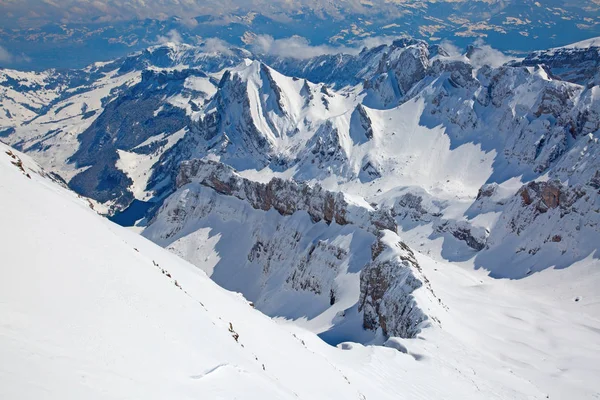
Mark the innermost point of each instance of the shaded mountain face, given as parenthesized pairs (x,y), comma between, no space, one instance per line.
(310,185)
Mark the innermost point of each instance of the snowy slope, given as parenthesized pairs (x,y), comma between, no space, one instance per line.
(533,338)
(368,207)
(62,116)
(90,313)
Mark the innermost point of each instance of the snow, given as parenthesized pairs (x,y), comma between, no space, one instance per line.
(89,314)
(138,166)
(200,84)
(516,338)
(60,126)
(584,44)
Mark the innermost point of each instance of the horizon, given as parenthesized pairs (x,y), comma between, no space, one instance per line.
(42,34)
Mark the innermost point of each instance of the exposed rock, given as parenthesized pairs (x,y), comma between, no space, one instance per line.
(386,286)
(369,172)
(487,190)
(546,217)
(551,194)
(474,237)
(274,87)
(285,196)
(556,238)
(362,120)
(422,209)
(577,65)
(461,73)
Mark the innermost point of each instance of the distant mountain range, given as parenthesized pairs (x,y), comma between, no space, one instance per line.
(518,26)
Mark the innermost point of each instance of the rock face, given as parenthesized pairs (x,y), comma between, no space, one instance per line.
(542,197)
(257,118)
(386,287)
(274,260)
(285,196)
(362,129)
(544,224)
(577,65)
(417,206)
(548,194)
(299,247)
(474,237)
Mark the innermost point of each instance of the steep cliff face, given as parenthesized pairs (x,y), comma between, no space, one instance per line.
(139,122)
(258,118)
(287,265)
(299,248)
(399,135)
(286,196)
(387,284)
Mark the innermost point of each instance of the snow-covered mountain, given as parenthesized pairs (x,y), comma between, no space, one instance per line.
(118,132)
(97,311)
(375,198)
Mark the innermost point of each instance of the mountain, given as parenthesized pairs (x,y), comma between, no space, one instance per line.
(444,204)
(39,40)
(117,132)
(136,321)
(79,320)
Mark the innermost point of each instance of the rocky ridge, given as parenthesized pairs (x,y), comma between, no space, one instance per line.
(291,253)
(285,196)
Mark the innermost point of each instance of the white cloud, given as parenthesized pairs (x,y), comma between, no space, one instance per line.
(484,54)
(376,41)
(450,48)
(90,10)
(294,47)
(171,37)
(189,23)
(7,57)
(214,45)
(300,48)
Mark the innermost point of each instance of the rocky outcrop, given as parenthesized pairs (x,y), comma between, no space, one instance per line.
(487,190)
(409,61)
(543,196)
(276,90)
(474,237)
(287,265)
(545,224)
(419,207)
(290,254)
(362,128)
(285,196)
(386,287)
(577,65)
(460,73)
